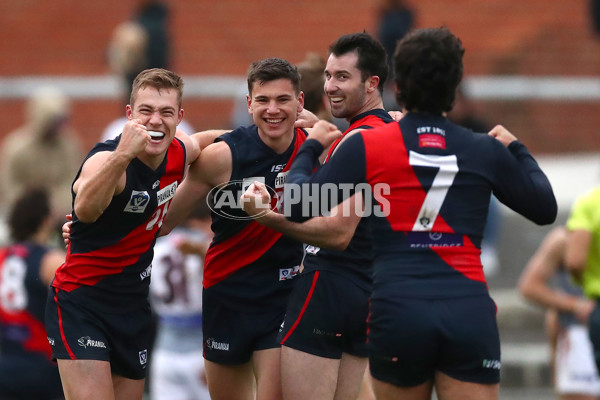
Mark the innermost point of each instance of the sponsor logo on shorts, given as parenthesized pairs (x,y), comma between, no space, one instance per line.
(492,364)
(146,273)
(138,202)
(143,357)
(214,345)
(288,273)
(86,342)
(321,332)
(50,340)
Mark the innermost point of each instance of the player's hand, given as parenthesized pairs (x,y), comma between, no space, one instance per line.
(396,115)
(502,134)
(306,119)
(134,139)
(66,229)
(583,309)
(256,200)
(325,132)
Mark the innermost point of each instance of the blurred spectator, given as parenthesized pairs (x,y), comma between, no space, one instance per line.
(177,364)
(27,266)
(395,19)
(575,374)
(153,15)
(312,81)
(582,255)
(129,53)
(595,15)
(44,152)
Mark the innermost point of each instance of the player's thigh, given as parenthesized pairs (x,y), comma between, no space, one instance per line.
(230,382)
(299,367)
(350,376)
(86,379)
(448,388)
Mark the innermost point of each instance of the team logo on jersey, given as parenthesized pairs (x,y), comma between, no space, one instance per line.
(86,341)
(143,357)
(288,273)
(137,202)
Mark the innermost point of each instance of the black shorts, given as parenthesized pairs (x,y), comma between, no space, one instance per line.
(410,339)
(231,336)
(79,332)
(326,316)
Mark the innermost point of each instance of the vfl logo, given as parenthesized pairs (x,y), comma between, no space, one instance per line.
(86,341)
(146,273)
(143,357)
(138,202)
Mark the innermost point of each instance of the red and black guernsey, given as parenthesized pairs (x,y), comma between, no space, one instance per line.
(432,181)
(247,260)
(110,258)
(356,261)
(22,301)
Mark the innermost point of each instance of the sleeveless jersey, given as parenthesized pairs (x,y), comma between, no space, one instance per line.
(355,262)
(431,181)
(247,260)
(22,300)
(110,258)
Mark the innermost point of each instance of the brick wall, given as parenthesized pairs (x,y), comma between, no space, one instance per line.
(534,37)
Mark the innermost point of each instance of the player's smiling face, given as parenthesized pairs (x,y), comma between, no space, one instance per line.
(274,106)
(344,85)
(159,111)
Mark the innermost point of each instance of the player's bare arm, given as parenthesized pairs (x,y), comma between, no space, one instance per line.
(212,167)
(103,175)
(334,231)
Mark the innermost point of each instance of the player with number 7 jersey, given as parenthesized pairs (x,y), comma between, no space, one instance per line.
(432,321)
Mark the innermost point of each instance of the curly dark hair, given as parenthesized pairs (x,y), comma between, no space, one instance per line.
(28,213)
(372,58)
(428,67)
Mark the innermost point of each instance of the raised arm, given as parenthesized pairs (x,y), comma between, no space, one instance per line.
(523,186)
(103,174)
